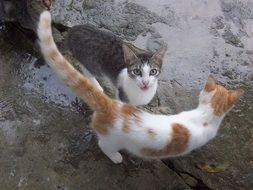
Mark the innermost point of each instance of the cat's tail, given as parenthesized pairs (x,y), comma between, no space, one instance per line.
(95,98)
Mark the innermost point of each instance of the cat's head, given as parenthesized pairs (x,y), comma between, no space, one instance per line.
(220,98)
(142,67)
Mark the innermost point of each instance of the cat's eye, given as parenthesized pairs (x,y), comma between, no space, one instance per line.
(153,72)
(137,72)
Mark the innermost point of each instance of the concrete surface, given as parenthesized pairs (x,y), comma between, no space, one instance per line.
(45,141)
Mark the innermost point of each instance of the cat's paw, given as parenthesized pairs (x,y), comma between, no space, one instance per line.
(116,158)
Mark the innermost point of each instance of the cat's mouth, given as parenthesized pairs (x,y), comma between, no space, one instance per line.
(144,88)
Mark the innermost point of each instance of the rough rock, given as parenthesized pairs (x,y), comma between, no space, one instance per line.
(124,18)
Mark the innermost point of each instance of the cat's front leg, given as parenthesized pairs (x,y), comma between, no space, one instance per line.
(121,95)
(110,152)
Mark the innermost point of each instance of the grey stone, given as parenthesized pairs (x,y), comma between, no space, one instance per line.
(232,39)
(189,180)
(123,18)
(45,139)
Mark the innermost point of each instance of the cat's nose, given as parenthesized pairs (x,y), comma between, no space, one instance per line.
(145,82)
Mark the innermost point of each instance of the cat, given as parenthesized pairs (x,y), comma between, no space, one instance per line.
(23,13)
(119,125)
(133,71)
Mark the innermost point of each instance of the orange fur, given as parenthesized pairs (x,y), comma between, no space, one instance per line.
(53,54)
(102,123)
(211,84)
(224,99)
(126,127)
(179,142)
(130,112)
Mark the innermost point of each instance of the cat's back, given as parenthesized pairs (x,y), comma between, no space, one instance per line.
(97,50)
(88,38)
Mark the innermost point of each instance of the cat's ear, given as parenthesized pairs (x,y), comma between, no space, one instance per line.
(129,55)
(210,84)
(236,94)
(135,49)
(158,56)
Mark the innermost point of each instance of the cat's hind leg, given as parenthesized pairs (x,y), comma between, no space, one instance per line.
(110,151)
(91,78)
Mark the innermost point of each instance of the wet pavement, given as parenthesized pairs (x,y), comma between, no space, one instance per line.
(45,141)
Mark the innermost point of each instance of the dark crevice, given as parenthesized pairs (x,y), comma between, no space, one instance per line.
(61,27)
(30,34)
(200,185)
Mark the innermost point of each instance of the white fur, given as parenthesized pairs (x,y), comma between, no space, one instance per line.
(138,138)
(146,77)
(131,87)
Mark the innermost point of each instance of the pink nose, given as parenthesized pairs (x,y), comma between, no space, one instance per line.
(145,82)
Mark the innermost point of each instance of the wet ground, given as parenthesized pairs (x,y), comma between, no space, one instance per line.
(45,141)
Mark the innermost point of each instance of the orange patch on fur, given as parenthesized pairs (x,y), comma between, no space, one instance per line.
(96,99)
(53,54)
(102,123)
(126,127)
(205,124)
(224,99)
(210,85)
(130,112)
(106,109)
(178,144)
(68,73)
(151,133)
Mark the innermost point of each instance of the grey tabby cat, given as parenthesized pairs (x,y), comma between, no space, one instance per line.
(133,71)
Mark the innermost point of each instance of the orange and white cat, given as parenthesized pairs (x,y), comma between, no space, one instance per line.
(122,126)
